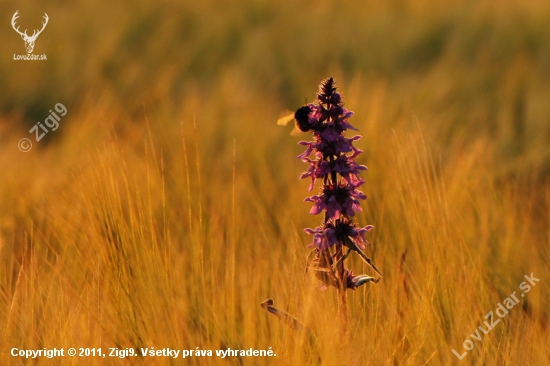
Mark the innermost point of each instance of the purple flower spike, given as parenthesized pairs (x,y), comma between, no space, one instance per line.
(336,201)
(331,157)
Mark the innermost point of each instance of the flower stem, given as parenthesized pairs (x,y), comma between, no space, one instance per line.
(342,294)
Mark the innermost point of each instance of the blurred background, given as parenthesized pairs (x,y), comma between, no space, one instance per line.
(476,69)
(167,204)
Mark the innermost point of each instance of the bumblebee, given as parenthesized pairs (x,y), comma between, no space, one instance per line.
(300,117)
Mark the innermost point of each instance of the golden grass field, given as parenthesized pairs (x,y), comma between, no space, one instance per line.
(167,206)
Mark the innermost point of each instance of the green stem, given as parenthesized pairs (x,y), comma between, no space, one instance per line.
(342,285)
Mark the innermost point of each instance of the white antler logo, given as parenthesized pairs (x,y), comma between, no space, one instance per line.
(29,41)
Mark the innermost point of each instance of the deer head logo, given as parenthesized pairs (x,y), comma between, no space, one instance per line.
(29,41)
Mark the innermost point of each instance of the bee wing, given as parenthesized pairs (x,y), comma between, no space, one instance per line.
(296,131)
(285,117)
